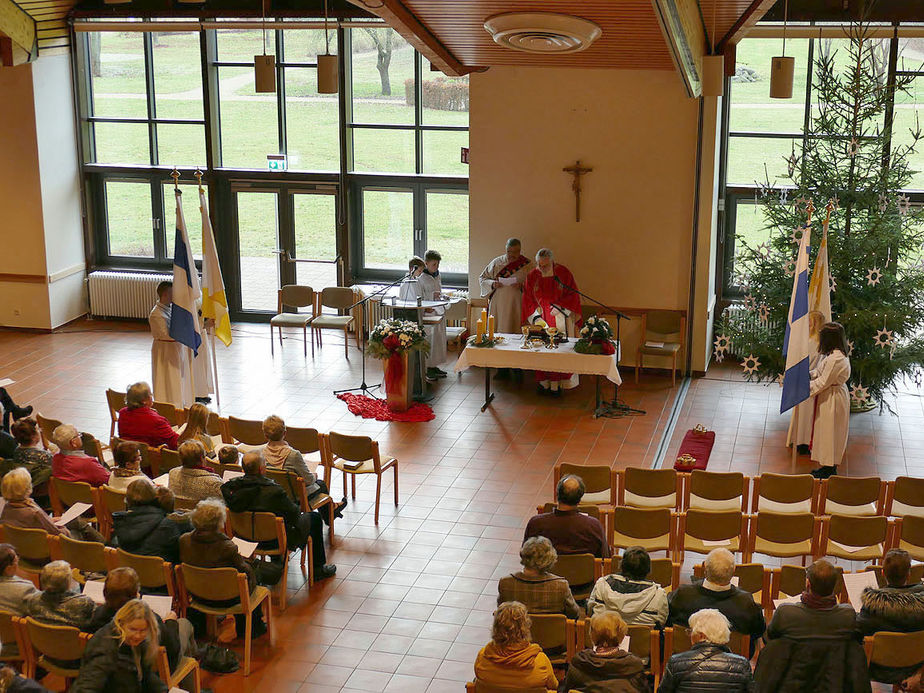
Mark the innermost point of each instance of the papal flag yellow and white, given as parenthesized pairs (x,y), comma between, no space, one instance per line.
(820,286)
(214,301)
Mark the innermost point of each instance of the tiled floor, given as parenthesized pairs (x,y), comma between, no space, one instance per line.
(412,600)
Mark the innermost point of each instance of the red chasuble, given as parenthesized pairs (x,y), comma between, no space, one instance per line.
(544,293)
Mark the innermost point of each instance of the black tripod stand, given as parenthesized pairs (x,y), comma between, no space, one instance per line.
(614,409)
(367,389)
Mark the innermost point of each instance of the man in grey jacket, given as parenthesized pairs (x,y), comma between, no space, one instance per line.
(640,602)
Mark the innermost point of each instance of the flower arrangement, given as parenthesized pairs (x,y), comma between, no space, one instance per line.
(396,337)
(596,337)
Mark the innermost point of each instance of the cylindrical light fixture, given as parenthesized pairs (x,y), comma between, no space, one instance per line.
(264,74)
(328,70)
(713,75)
(328,74)
(782,71)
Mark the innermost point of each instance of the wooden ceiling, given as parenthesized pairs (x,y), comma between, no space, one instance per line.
(631,39)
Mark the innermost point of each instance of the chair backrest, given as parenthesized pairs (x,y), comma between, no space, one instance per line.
(651,528)
(785,493)
(9,634)
(716,491)
(169,412)
(46,427)
(213,424)
(169,459)
(147,458)
(457,311)
(212,583)
(259,527)
(783,528)
(92,446)
(599,481)
(665,573)
(854,531)
(86,556)
(648,488)
(305,440)
(115,400)
(153,571)
(897,650)
(354,448)
(911,537)
(292,483)
(664,323)
(247,431)
(681,642)
(62,643)
(65,493)
(295,296)
(339,297)
(30,544)
(906,497)
(714,526)
(751,577)
(791,580)
(592,510)
(577,569)
(843,495)
(550,632)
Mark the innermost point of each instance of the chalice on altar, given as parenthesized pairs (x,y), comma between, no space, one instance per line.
(525,338)
(552,332)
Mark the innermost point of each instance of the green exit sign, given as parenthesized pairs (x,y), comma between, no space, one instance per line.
(276,162)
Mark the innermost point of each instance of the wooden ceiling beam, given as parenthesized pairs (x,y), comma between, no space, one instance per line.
(402,20)
(19,28)
(753,14)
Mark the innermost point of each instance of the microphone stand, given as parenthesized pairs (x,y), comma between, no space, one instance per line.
(367,389)
(614,409)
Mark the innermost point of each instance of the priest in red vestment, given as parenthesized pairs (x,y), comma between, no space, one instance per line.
(550,293)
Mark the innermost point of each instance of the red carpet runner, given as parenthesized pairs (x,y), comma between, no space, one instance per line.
(371,408)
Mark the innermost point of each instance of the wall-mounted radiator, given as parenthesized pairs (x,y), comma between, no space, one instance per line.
(123,294)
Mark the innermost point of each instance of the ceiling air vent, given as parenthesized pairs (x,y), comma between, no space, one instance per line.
(542,32)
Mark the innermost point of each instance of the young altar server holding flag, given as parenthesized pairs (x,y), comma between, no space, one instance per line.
(184,319)
(796,341)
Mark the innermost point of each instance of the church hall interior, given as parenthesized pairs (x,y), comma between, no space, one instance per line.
(406,345)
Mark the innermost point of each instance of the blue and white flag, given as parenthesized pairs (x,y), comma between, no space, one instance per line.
(184,315)
(796,347)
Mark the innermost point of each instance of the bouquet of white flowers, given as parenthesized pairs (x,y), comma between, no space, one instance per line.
(391,337)
(596,337)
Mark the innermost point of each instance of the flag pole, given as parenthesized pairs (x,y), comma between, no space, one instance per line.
(211,332)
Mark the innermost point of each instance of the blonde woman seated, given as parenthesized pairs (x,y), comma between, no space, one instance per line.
(21,511)
(604,668)
(122,656)
(510,660)
(127,458)
(196,428)
(535,587)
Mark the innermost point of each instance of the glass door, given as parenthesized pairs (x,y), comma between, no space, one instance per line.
(314,242)
(258,243)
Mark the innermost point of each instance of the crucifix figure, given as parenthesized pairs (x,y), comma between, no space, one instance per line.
(577,171)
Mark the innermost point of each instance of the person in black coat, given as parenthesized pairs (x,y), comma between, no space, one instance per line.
(146,528)
(122,656)
(814,645)
(897,607)
(253,492)
(717,592)
(708,666)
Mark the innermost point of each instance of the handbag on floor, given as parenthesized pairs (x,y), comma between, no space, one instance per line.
(695,449)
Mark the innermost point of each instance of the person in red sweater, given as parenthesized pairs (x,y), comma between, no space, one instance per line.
(72,463)
(140,422)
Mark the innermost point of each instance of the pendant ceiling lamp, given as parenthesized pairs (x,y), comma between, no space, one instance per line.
(713,65)
(264,66)
(328,71)
(782,67)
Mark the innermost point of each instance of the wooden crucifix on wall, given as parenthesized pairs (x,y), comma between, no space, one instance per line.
(577,171)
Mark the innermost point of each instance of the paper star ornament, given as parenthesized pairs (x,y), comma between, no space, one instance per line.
(833,285)
(722,342)
(859,394)
(790,267)
(763,313)
(904,204)
(849,347)
(883,338)
(763,250)
(750,365)
(883,202)
(873,276)
(796,235)
(749,302)
(853,147)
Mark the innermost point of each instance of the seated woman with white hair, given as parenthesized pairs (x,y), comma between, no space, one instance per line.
(708,666)
(21,511)
(60,603)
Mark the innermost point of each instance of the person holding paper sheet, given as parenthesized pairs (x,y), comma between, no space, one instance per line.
(430,288)
(71,463)
(832,400)
(21,511)
(145,527)
(501,282)
(194,480)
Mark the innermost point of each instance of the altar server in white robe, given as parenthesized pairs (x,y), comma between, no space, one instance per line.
(803,413)
(170,360)
(203,379)
(431,289)
(832,400)
(501,283)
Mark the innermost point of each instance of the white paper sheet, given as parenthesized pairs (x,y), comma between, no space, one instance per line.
(794,599)
(231,474)
(73,512)
(162,480)
(856,583)
(94,590)
(624,645)
(6,381)
(245,548)
(655,345)
(507,281)
(160,605)
(734,580)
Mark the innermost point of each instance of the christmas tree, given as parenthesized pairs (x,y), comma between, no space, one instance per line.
(874,237)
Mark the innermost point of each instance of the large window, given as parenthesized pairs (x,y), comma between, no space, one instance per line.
(375,168)
(766,136)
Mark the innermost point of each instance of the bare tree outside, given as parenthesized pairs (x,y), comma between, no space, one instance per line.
(384,45)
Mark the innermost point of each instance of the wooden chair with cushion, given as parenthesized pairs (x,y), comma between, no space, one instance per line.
(294,296)
(677,639)
(111,500)
(845,495)
(456,313)
(662,334)
(169,459)
(716,491)
(46,426)
(666,573)
(31,546)
(909,535)
(46,646)
(115,400)
(784,493)
(266,527)
(895,651)
(752,577)
(905,496)
(64,494)
(339,298)
(217,584)
(554,633)
(11,635)
(94,448)
(581,570)
(855,538)
(174,416)
(789,581)
(340,449)
(154,573)
(295,488)
(308,442)
(83,556)
(246,433)
(783,535)
(185,667)
(649,488)
(701,531)
(650,528)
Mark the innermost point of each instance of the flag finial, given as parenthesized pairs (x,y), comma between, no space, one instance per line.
(175,174)
(198,175)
